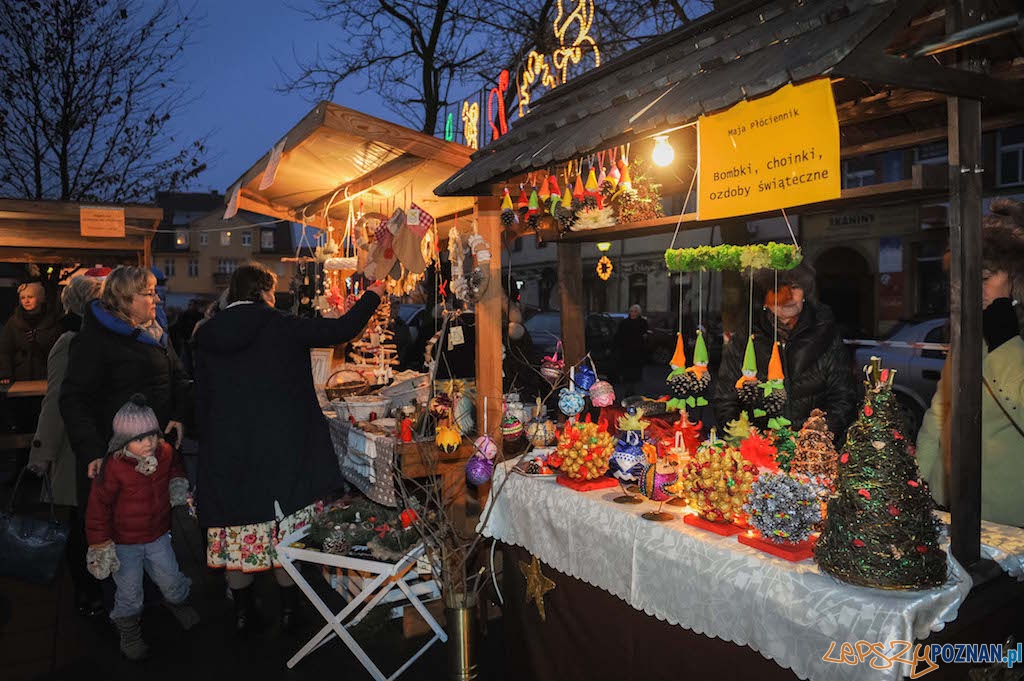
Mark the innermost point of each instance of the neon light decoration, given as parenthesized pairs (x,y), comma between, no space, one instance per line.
(470,123)
(499,92)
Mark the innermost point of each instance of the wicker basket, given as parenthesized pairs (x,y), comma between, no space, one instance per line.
(346,389)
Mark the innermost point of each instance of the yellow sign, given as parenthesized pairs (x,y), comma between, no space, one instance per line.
(106,222)
(774,152)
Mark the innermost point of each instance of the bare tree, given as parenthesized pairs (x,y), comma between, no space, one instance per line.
(425,55)
(87,95)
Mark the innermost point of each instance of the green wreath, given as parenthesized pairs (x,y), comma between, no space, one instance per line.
(734,258)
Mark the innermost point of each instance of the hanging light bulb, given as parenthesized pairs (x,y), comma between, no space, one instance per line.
(663,151)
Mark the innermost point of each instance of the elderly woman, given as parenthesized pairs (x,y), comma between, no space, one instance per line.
(28,336)
(1002,394)
(815,362)
(51,450)
(265,451)
(120,351)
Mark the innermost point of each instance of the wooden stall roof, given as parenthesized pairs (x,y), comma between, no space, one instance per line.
(49,232)
(337,152)
(741,53)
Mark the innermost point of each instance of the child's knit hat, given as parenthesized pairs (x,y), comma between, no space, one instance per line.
(133,421)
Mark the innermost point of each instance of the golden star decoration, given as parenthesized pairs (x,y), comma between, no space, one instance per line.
(536,584)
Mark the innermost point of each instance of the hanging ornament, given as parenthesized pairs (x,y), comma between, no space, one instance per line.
(604,268)
(552,367)
(485,446)
(601,178)
(523,204)
(678,360)
(614,175)
(479,470)
(555,193)
(571,401)
(447,439)
(602,394)
(689,386)
(747,385)
(511,427)
(775,391)
(508,215)
(586,377)
(577,190)
(533,204)
(540,431)
(625,182)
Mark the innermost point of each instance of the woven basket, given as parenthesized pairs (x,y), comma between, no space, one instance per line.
(342,390)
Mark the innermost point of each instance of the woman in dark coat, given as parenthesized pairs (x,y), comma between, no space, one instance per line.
(28,336)
(265,456)
(815,362)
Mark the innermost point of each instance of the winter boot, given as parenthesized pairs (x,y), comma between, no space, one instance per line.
(185,614)
(247,619)
(289,608)
(132,645)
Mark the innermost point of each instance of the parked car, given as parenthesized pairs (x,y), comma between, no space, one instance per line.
(545,329)
(917,370)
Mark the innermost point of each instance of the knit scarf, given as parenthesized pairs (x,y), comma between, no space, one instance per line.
(144,464)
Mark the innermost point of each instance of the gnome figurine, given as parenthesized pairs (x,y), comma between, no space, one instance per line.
(774,390)
(689,385)
(747,385)
(508,215)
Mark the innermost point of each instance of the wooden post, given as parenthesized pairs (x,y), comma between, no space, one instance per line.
(570,287)
(965,319)
(489,324)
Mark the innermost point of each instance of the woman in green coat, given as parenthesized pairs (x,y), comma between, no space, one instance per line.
(1002,394)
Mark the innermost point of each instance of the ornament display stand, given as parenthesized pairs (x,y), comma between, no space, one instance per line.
(385,577)
(587,485)
(658,516)
(723,529)
(626,497)
(791,551)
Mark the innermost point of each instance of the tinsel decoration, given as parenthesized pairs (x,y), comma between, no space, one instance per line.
(782,509)
(728,257)
(880,530)
(716,480)
(815,454)
(784,441)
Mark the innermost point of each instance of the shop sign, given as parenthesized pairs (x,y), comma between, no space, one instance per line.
(102,222)
(769,153)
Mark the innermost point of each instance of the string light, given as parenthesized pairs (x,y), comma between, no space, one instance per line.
(470,122)
(499,92)
(663,153)
(583,15)
(604,268)
(537,68)
(449,127)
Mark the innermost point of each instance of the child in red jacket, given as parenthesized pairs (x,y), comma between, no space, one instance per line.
(128,522)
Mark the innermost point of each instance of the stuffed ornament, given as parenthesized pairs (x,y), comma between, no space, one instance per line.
(628,460)
(479,470)
(508,215)
(551,368)
(511,427)
(602,394)
(585,377)
(447,439)
(775,391)
(486,447)
(571,401)
(747,386)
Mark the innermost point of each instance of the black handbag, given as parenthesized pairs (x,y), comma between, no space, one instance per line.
(31,548)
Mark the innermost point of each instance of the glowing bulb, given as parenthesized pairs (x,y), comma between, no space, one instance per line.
(663,152)
(604,246)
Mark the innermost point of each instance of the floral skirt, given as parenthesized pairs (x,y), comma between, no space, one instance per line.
(251,548)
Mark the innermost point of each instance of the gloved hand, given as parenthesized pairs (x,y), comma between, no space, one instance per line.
(101,560)
(178,488)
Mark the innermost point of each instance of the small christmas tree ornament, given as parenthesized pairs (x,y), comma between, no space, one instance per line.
(586,377)
(447,439)
(552,366)
(747,385)
(508,215)
(880,530)
(486,447)
(479,470)
(511,427)
(815,454)
(738,430)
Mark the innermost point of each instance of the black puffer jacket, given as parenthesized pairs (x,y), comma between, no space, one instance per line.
(25,344)
(816,366)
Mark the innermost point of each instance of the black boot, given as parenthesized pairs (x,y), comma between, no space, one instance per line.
(247,620)
(132,645)
(289,608)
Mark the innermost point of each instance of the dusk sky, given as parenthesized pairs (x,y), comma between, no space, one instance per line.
(231,73)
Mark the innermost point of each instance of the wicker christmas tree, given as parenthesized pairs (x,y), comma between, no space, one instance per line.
(815,455)
(880,531)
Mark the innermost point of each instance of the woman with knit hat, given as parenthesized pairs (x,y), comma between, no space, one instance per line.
(128,522)
(1002,391)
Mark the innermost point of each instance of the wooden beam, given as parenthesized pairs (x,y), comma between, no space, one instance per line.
(372,129)
(71,256)
(253,204)
(913,139)
(489,324)
(57,210)
(965,319)
(382,173)
(885,104)
(59,236)
(570,287)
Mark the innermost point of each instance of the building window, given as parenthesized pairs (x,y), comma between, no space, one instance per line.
(892,166)
(225,238)
(638,290)
(169,267)
(181,238)
(859,172)
(193,267)
(932,284)
(1010,157)
(933,153)
(225,266)
(267,240)
(247,238)
(204,238)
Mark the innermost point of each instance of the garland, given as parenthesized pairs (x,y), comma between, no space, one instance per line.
(734,258)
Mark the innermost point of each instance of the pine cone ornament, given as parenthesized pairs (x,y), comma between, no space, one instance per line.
(774,402)
(751,396)
(577,205)
(533,468)
(336,544)
(532,222)
(507,218)
(590,202)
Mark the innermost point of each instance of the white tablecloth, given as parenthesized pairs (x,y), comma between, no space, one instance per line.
(1001,543)
(788,612)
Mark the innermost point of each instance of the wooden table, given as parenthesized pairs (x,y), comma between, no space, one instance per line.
(27,389)
(21,389)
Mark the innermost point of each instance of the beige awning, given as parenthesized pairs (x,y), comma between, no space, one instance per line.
(334,154)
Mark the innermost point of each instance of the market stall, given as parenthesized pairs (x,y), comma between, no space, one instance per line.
(765,99)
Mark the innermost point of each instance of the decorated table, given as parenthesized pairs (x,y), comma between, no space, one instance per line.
(790,613)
